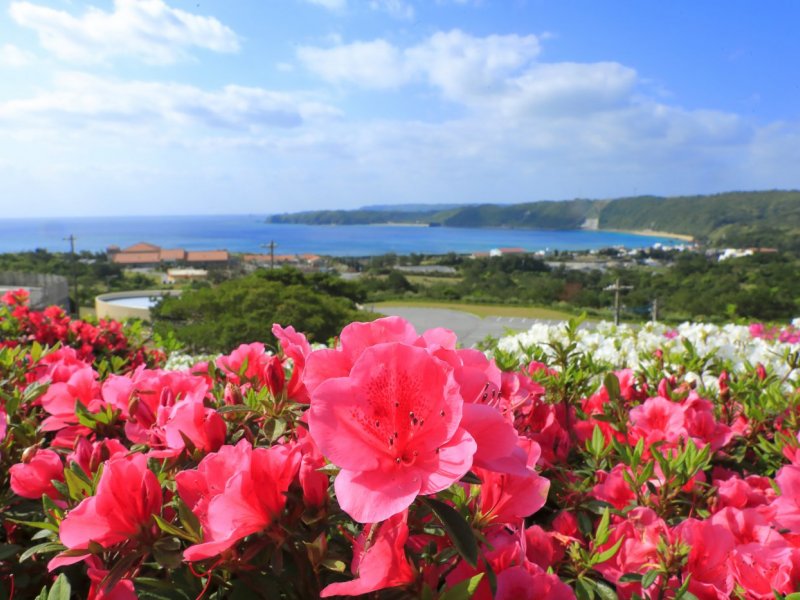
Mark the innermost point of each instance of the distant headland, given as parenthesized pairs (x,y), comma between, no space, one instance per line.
(760,218)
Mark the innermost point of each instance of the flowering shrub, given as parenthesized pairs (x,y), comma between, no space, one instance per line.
(572,463)
(105,341)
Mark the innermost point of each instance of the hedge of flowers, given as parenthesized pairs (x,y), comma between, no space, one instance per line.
(396,465)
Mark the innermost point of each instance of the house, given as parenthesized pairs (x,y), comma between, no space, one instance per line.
(144,254)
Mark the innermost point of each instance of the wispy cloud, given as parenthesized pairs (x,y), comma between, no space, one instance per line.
(14,56)
(395,8)
(87,102)
(148,30)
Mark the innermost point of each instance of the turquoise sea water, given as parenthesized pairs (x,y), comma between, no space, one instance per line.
(247,233)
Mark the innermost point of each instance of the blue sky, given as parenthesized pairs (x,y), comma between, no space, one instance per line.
(118,107)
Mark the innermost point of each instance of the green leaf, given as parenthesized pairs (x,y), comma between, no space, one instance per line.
(61,589)
(601,536)
(40,549)
(78,488)
(172,530)
(607,554)
(584,589)
(611,383)
(463,590)
(649,578)
(457,528)
(631,578)
(604,591)
(167,552)
(36,524)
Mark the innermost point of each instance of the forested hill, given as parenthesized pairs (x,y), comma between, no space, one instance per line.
(736,218)
(570,214)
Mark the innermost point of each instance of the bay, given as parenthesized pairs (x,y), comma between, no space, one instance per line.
(247,233)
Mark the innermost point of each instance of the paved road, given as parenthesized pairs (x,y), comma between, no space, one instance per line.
(469,328)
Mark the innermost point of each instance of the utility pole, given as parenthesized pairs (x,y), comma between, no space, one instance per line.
(655,310)
(71,239)
(271,247)
(617,288)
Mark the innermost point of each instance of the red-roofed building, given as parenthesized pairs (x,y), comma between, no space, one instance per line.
(150,255)
(207,257)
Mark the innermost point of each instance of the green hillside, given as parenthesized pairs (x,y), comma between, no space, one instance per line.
(769,218)
(736,218)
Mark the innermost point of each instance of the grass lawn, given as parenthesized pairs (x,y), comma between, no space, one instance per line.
(484,310)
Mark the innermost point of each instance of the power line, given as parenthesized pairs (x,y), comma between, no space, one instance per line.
(617,288)
(271,247)
(76,308)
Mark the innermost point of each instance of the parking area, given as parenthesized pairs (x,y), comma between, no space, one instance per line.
(469,328)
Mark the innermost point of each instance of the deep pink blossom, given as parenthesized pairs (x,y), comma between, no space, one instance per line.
(510,497)
(60,399)
(295,346)
(34,476)
(128,495)
(658,419)
(392,425)
(244,497)
(90,455)
(379,559)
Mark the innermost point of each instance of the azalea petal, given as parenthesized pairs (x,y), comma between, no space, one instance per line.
(372,496)
(454,460)
(357,337)
(340,438)
(325,364)
(496,437)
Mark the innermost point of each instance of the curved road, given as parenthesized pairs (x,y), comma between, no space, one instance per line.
(469,328)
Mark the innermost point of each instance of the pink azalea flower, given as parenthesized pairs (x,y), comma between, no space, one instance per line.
(294,345)
(509,497)
(90,455)
(122,590)
(34,476)
(529,582)
(613,488)
(204,427)
(60,398)
(128,495)
(244,497)
(379,560)
(641,532)
(392,425)
(710,547)
(325,363)
(658,419)
(787,505)
(762,560)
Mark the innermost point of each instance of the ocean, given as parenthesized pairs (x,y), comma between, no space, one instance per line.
(249,233)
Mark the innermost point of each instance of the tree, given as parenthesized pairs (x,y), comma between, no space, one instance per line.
(243,310)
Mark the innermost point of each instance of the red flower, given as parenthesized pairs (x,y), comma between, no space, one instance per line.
(379,560)
(128,495)
(34,476)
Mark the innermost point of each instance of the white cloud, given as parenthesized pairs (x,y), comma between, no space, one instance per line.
(15,57)
(376,64)
(464,66)
(396,8)
(86,102)
(459,64)
(149,30)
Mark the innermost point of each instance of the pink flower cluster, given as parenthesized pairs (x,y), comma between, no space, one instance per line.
(397,459)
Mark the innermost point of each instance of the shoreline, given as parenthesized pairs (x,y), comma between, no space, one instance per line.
(650,233)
